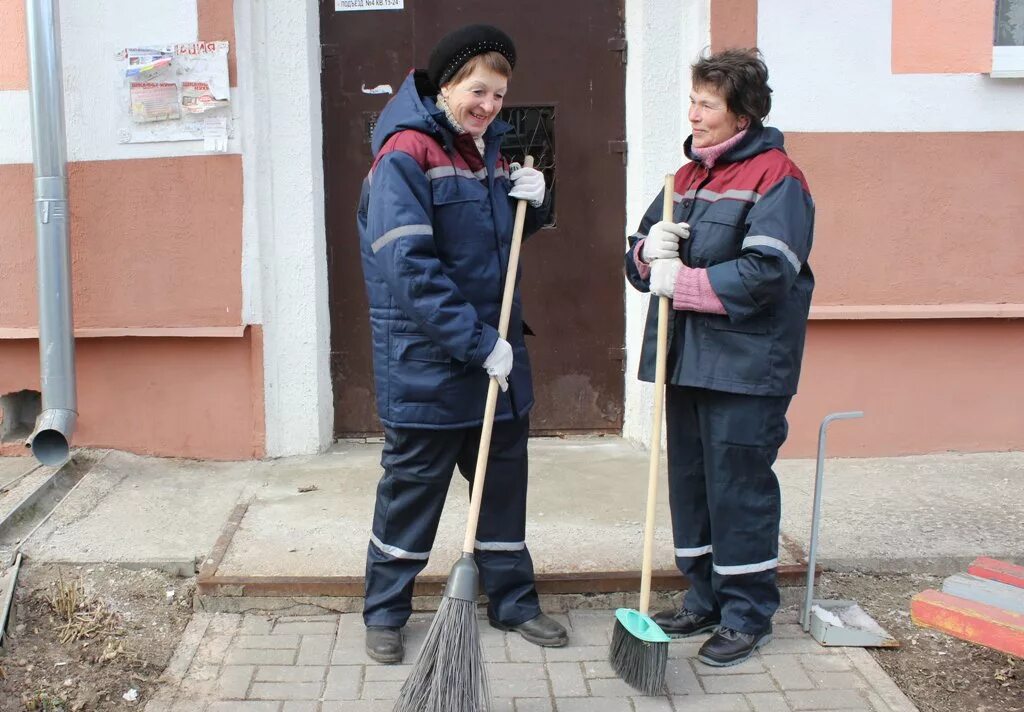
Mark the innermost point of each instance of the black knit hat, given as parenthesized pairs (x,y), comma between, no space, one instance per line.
(459,46)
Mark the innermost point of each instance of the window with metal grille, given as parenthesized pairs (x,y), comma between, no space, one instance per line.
(533,133)
(1008,44)
(370,120)
(1010,23)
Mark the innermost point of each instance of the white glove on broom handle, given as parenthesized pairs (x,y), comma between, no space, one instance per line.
(659,408)
(492,388)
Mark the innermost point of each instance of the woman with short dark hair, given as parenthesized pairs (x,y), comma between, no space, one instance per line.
(734,264)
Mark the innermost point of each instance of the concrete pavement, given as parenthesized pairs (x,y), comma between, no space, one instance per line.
(931,512)
(236,663)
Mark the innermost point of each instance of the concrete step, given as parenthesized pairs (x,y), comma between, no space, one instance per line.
(562,585)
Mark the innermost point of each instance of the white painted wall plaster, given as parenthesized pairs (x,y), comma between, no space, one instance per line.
(830,63)
(15,128)
(91,33)
(283,160)
(250,93)
(664,37)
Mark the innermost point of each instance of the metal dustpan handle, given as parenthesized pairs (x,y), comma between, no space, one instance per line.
(819,476)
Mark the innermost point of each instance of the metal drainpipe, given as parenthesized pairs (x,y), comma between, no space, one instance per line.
(51,439)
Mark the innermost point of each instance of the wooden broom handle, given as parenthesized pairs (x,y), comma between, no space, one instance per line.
(659,409)
(468,544)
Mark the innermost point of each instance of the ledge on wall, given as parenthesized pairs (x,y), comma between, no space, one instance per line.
(917,311)
(203,332)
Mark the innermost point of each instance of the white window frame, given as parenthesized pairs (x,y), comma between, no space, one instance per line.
(1007,60)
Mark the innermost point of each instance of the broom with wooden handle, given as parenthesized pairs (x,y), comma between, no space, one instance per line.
(639,650)
(449,673)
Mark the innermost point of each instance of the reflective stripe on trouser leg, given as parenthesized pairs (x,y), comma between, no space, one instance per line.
(506,568)
(691,522)
(742,436)
(418,466)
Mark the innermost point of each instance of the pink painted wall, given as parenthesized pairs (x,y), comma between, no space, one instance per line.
(217,22)
(13,54)
(190,397)
(925,386)
(942,36)
(908,218)
(733,24)
(154,242)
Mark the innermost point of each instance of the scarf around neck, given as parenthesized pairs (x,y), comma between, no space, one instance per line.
(442,104)
(710,154)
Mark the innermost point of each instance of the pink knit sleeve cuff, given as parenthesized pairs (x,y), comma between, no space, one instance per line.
(693,292)
(642,267)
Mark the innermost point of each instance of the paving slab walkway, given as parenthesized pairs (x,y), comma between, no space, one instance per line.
(254,663)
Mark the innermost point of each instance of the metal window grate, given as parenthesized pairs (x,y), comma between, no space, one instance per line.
(370,121)
(1010,23)
(533,132)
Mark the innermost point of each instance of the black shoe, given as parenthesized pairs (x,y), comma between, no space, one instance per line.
(685,623)
(730,647)
(384,644)
(542,630)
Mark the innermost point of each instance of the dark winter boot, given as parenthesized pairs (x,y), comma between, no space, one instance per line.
(685,623)
(384,644)
(730,647)
(542,630)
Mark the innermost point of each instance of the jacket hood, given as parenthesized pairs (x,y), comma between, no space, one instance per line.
(413,107)
(756,141)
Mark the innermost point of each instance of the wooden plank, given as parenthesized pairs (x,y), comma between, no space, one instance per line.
(211,584)
(8,584)
(982,590)
(975,622)
(997,570)
(208,569)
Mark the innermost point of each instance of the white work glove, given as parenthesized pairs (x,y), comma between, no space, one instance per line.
(527,184)
(663,277)
(499,364)
(662,241)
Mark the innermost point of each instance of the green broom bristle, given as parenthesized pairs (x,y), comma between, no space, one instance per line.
(640,664)
(449,673)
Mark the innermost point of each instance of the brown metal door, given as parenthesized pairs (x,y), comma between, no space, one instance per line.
(567,97)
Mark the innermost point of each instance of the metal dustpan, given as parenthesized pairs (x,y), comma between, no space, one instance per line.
(845,623)
(831,622)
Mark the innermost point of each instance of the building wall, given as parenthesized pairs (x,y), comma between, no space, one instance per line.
(911,152)
(217,295)
(167,363)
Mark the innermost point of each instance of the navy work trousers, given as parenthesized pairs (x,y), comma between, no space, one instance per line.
(418,466)
(725,501)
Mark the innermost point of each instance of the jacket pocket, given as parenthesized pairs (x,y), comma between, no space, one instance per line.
(718,235)
(415,347)
(420,371)
(450,190)
(738,353)
(757,324)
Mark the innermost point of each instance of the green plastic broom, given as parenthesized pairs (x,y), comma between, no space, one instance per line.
(639,650)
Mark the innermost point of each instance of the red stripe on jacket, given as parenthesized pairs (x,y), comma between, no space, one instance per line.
(758,173)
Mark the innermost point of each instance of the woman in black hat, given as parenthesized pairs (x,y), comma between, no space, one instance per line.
(435,223)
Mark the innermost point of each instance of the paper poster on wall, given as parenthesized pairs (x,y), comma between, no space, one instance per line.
(154,101)
(170,92)
(355,5)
